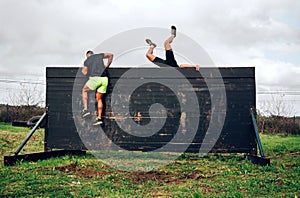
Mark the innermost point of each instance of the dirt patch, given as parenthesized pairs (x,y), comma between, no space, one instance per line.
(164,177)
(141,177)
(68,168)
(136,177)
(87,172)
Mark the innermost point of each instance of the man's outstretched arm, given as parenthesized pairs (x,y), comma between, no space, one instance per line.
(109,56)
(197,67)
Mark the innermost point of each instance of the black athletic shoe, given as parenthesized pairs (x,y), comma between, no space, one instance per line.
(85,113)
(150,42)
(97,122)
(173,30)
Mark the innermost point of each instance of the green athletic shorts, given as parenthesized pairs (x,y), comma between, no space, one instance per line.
(99,83)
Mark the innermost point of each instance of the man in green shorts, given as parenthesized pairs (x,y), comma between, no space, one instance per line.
(98,75)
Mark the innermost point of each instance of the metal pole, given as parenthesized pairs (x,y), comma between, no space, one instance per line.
(30,134)
(257,134)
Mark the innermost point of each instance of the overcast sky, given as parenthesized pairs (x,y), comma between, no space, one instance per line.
(264,34)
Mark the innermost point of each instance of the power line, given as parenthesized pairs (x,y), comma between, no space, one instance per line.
(285,92)
(21,81)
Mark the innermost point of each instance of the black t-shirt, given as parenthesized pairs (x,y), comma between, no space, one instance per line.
(96,65)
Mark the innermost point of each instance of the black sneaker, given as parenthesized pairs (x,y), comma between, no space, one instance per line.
(98,121)
(85,113)
(173,30)
(150,42)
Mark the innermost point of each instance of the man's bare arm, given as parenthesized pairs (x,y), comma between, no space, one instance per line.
(84,70)
(197,67)
(109,56)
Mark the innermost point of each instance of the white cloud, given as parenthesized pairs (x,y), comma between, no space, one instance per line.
(265,34)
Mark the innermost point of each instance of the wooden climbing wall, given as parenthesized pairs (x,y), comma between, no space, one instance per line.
(67,130)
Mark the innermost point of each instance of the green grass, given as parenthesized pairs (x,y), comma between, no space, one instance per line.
(214,175)
(11,137)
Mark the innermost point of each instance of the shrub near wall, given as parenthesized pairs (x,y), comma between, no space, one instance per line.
(19,113)
(279,124)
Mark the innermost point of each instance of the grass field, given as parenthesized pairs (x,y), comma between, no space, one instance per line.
(213,175)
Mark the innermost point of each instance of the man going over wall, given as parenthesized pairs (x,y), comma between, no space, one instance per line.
(170,59)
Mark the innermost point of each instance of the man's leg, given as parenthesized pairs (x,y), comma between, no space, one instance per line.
(103,82)
(149,53)
(85,91)
(100,103)
(170,59)
(156,60)
(98,120)
(168,42)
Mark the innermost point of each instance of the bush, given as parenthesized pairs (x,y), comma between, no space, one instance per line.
(278,124)
(19,113)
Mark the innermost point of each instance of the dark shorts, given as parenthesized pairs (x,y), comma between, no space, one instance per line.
(170,60)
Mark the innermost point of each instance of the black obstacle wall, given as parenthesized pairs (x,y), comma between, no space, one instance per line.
(63,98)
